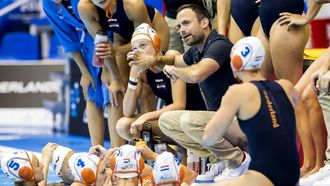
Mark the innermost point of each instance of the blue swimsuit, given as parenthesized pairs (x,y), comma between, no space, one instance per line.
(65,22)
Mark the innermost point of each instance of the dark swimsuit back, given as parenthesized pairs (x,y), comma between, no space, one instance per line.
(271,135)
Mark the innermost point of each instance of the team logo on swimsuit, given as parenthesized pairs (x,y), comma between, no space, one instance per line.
(113,23)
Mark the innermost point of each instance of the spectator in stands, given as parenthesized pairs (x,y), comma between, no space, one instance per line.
(65,21)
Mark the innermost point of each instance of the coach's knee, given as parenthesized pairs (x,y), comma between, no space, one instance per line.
(164,122)
(186,122)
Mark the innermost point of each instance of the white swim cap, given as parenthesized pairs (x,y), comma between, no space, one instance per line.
(127,162)
(247,55)
(167,169)
(84,167)
(58,157)
(144,31)
(17,166)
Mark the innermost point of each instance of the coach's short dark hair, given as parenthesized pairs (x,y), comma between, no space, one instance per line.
(200,12)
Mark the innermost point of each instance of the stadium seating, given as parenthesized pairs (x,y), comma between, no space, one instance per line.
(20,46)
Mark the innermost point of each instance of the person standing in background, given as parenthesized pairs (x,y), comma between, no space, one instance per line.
(310,122)
(70,31)
(321,81)
(176,42)
(121,17)
(238,18)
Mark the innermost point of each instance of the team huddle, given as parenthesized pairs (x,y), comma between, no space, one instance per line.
(235,94)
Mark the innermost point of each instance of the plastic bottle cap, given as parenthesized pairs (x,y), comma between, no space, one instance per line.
(101,32)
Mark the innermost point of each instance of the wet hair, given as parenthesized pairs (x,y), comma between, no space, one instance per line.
(200,12)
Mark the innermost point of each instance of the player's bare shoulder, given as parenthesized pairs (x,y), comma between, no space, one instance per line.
(134,9)
(289,90)
(248,89)
(86,9)
(130,3)
(243,91)
(286,85)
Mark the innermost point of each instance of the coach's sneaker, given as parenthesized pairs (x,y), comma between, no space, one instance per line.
(214,170)
(318,176)
(228,173)
(324,182)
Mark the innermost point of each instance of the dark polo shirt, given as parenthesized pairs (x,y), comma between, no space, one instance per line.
(218,48)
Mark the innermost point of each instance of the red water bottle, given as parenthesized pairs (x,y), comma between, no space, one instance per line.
(100,37)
